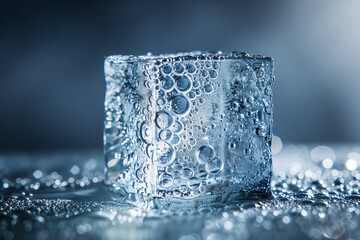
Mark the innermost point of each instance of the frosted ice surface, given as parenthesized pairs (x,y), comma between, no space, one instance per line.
(187,126)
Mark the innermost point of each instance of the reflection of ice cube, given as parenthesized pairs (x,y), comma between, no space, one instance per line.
(189,126)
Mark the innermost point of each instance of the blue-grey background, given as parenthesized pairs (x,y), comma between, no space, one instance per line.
(51,61)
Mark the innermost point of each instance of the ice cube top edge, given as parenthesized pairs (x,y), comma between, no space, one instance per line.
(193,55)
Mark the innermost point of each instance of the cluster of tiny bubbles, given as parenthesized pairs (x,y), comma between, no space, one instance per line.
(311,200)
(180,87)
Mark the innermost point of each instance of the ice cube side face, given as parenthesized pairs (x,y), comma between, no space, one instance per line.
(188,128)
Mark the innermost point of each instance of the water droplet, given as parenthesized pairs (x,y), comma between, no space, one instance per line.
(183,188)
(351,164)
(235,105)
(149,150)
(261,131)
(75,170)
(214,166)
(268,91)
(161,93)
(112,163)
(169,170)
(37,174)
(177,166)
(204,154)
(180,104)
(163,120)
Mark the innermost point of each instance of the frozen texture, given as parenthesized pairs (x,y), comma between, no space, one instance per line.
(188,126)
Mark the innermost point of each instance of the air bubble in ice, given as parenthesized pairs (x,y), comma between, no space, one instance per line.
(164,154)
(166,69)
(208,88)
(163,120)
(183,83)
(214,166)
(175,139)
(165,180)
(196,84)
(191,95)
(165,135)
(191,69)
(204,154)
(194,183)
(179,68)
(180,104)
(212,73)
(167,83)
(187,173)
(145,132)
(178,127)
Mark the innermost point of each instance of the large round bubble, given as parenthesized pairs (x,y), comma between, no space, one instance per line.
(183,83)
(166,69)
(179,68)
(167,83)
(165,180)
(191,68)
(163,120)
(180,104)
(164,154)
(204,154)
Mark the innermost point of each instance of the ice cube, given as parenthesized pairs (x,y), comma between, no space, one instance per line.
(188,128)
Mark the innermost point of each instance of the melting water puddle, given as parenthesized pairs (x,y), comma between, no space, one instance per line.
(95,193)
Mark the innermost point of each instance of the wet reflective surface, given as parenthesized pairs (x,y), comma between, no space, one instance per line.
(62,196)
